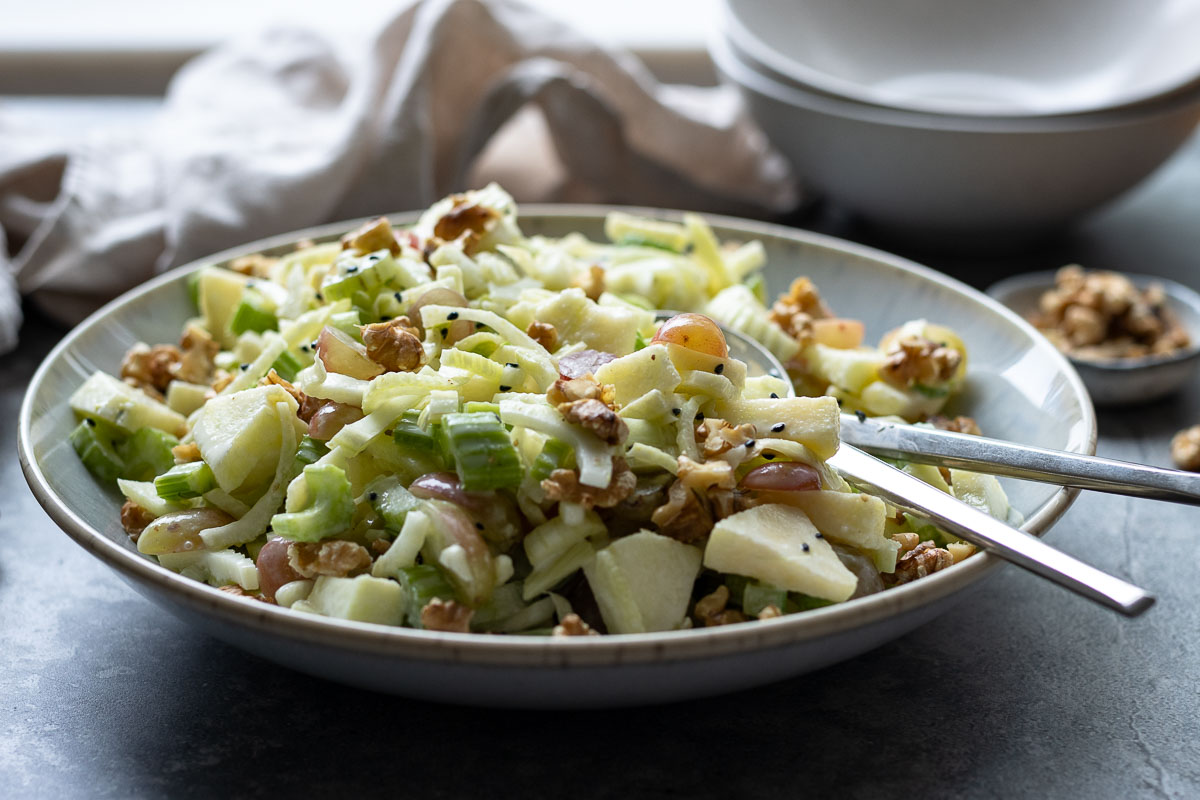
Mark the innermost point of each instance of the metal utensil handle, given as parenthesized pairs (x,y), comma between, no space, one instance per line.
(978,528)
(996,457)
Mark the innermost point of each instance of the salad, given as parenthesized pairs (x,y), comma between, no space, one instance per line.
(461,428)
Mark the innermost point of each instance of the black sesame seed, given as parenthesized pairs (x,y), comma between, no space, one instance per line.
(768,456)
(479,326)
(303,348)
(244,367)
(805,547)
(444,332)
(861,416)
(504,388)
(719,368)
(452,315)
(677,411)
(777,427)
(820,535)
(514,366)
(699,416)
(91,422)
(396,295)
(319,297)
(313,344)
(373,257)
(750,444)
(350,270)
(479,526)
(373,496)
(774,396)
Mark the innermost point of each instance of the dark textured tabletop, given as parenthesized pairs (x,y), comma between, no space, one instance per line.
(1023,690)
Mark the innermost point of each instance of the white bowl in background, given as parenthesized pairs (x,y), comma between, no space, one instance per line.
(959,180)
(1019,387)
(1020,58)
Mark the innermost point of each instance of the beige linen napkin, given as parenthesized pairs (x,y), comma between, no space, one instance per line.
(288,129)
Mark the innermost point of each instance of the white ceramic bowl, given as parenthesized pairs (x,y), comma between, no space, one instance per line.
(1129,381)
(1020,58)
(1019,387)
(959,180)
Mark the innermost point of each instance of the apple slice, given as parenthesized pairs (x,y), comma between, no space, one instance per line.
(643,582)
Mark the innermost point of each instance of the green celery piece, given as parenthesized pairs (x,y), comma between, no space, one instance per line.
(637,240)
(438,431)
(253,314)
(95,450)
(193,288)
(364,277)
(409,437)
(639,343)
(478,406)
(329,511)
(758,287)
(927,531)
(391,501)
(347,322)
(737,587)
(556,454)
(804,602)
(484,456)
(147,453)
(287,366)
(757,596)
(309,452)
(931,391)
(185,480)
(423,583)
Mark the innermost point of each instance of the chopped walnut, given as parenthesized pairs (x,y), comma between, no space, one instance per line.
(717,438)
(591,280)
(237,591)
(1185,448)
(334,557)
(596,417)
(727,502)
(394,345)
(134,519)
(380,546)
(573,625)
(568,390)
(795,311)
(255,265)
(450,616)
(198,351)
(924,559)
(959,424)
(683,517)
(1102,315)
(376,234)
(564,485)
(907,541)
(468,222)
(186,453)
(706,475)
(917,360)
(221,380)
(150,367)
(273,377)
(544,334)
(710,610)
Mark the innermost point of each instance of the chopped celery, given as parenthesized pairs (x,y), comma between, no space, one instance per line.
(391,501)
(758,596)
(193,287)
(253,314)
(147,453)
(348,322)
(185,480)
(95,450)
(478,406)
(484,455)
(329,511)
(639,342)
(757,286)
(737,586)
(556,454)
(804,602)
(287,366)
(422,583)
(310,451)
(408,435)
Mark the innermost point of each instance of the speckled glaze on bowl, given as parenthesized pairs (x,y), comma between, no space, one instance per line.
(1123,382)
(1019,387)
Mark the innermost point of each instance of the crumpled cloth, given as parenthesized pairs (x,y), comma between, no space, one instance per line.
(288,128)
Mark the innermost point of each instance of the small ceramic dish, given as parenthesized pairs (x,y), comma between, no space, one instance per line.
(1019,388)
(1120,382)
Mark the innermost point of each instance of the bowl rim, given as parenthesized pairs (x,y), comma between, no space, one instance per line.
(515,650)
(1002,290)
(800,75)
(733,65)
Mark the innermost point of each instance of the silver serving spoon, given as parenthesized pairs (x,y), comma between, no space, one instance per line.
(954,516)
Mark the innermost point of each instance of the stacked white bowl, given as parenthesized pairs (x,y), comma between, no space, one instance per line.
(968,121)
